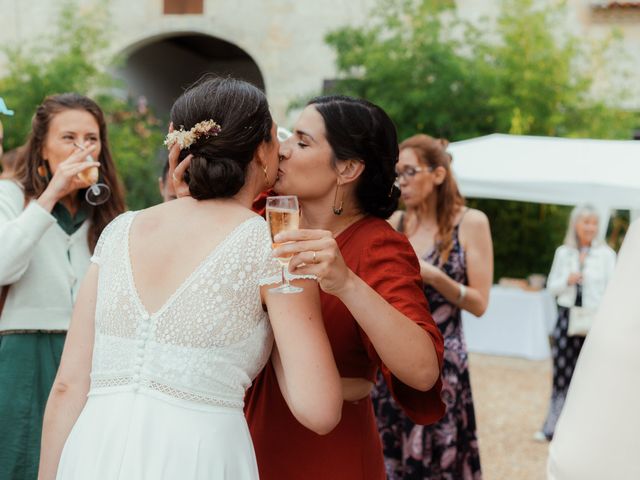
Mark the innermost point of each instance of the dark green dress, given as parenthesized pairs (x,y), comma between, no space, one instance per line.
(28,366)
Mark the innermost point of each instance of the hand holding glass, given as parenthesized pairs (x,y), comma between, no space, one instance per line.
(97,193)
(283,214)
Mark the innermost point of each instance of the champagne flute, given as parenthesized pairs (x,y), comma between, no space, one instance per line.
(283,215)
(97,193)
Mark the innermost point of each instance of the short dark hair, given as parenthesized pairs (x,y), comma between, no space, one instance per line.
(219,164)
(358,129)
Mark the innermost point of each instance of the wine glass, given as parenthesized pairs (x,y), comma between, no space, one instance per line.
(97,193)
(283,215)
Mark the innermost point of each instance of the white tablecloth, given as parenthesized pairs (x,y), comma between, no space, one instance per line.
(517,323)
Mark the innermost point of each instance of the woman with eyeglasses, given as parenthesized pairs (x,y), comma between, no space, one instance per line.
(454,246)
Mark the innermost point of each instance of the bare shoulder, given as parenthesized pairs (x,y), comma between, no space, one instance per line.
(474,226)
(473,221)
(151,217)
(395,218)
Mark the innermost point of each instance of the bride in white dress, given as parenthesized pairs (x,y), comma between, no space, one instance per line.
(170,326)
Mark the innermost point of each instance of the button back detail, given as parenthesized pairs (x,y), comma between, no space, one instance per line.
(209,339)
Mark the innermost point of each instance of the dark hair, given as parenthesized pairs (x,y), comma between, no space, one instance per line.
(358,129)
(219,164)
(27,169)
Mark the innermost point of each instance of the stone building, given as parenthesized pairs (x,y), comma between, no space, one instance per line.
(277,44)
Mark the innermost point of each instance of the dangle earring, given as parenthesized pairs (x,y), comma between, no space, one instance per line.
(337,210)
(43,171)
(266,176)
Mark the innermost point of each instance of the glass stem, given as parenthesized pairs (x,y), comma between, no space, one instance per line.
(285,281)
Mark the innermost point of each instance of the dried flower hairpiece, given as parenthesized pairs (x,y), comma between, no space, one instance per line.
(186,138)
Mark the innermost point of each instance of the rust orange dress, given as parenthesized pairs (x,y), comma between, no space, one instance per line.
(285,449)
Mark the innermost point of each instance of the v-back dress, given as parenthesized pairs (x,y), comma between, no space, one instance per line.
(167,388)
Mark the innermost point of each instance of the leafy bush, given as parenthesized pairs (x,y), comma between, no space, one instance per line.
(438,74)
(74,58)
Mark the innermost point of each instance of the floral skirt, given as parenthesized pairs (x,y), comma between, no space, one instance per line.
(446,450)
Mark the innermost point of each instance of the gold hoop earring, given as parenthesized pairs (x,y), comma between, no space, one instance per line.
(337,210)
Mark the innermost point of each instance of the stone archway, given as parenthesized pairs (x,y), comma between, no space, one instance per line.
(161,69)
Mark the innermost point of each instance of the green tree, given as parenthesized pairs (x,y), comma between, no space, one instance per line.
(74,58)
(524,74)
(542,76)
(408,62)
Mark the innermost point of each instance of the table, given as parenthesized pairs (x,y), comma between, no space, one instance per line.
(517,323)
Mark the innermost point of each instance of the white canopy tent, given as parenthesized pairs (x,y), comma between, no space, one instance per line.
(564,171)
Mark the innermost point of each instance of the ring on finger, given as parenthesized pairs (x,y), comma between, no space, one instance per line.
(315,259)
(173,175)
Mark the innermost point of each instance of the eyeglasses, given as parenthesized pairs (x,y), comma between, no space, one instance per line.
(411,172)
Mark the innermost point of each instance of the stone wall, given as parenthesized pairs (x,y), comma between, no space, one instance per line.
(284,38)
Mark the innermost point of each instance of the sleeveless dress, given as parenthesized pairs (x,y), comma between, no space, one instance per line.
(167,388)
(448,449)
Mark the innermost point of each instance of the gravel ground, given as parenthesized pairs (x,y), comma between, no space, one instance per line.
(510,397)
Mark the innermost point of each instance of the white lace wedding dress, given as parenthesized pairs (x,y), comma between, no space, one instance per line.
(167,388)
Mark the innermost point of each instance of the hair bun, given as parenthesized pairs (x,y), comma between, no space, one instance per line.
(222,149)
(214,178)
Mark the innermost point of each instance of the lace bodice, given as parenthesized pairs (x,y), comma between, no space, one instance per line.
(210,338)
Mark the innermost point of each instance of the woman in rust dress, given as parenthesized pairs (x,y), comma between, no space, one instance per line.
(340,162)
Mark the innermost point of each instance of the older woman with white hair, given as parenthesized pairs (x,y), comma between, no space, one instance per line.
(581,269)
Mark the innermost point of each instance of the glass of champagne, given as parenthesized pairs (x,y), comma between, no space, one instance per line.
(97,193)
(283,215)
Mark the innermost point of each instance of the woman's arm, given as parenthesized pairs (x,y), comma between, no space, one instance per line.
(303,359)
(475,235)
(69,392)
(560,276)
(403,346)
(20,231)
